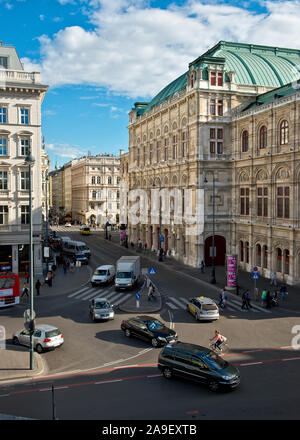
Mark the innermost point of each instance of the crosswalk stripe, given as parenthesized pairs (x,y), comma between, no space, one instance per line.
(184,300)
(78,291)
(171,305)
(126,297)
(254,309)
(96,294)
(177,302)
(84,293)
(115,297)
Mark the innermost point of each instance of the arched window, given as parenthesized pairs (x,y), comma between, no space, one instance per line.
(247,251)
(286,259)
(284,132)
(258,255)
(245,140)
(94,194)
(279,259)
(263,137)
(265,257)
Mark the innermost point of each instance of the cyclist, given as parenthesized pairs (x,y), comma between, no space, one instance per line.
(218,340)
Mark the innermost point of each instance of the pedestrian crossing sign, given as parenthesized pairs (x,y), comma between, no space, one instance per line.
(152,270)
(255,275)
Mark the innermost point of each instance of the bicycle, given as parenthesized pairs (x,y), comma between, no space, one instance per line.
(223,347)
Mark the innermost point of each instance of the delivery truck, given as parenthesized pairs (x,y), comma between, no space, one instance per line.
(128,270)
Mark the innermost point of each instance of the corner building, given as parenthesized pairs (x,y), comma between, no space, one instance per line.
(194,130)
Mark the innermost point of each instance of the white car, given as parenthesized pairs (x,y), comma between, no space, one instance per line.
(68,225)
(44,337)
(103,274)
(203,308)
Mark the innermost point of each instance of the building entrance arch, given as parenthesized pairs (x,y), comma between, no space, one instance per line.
(220,250)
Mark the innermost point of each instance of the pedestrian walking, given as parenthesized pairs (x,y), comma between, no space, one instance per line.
(150,292)
(283,291)
(132,244)
(273,279)
(72,265)
(38,286)
(268,300)
(247,298)
(145,246)
(263,298)
(27,276)
(25,291)
(49,279)
(256,293)
(65,266)
(202,266)
(223,297)
(244,301)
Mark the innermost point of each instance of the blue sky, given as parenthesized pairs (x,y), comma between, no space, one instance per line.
(100,56)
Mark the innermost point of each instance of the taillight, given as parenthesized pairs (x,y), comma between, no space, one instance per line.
(61,335)
(47,340)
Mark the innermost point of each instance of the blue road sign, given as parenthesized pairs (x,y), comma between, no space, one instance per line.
(138,296)
(152,270)
(161,238)
(255,275)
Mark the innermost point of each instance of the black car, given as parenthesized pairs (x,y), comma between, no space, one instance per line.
(198,363)
(149,329)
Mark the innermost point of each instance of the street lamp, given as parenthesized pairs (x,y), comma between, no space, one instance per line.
(160,256)
(47,180)
(106,217)
(30,161)
(213,271)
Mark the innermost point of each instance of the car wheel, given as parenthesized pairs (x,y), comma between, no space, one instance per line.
(127,333)
(213,385)
(167,372)
(39,348)
(16,341)
(154,342)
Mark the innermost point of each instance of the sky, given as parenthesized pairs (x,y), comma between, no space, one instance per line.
(100,56)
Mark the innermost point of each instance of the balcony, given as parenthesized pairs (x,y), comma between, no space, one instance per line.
(14,76)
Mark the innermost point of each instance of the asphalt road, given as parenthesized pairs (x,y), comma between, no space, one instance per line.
(260,343)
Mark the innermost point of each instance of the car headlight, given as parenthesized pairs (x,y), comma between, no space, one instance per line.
(227,377)
(161,338)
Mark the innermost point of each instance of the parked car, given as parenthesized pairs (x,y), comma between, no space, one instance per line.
(103,274)
(203,308)
(148,329)
(198,363)
(101,309)
(82,258)
(44,337)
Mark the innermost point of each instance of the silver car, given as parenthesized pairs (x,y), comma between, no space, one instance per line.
(101,309)
(44,337)
(203,308)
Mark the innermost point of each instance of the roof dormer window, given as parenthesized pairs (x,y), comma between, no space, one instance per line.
(4,62)
(216,78)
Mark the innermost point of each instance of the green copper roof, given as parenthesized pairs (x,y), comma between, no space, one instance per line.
(252,64)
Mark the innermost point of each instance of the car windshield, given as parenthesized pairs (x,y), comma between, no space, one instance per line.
(124,275)
(102,305)
(154,325)
(214,361)
(52,333)
(86,229)
(80,256)
(209,306)
(100,272)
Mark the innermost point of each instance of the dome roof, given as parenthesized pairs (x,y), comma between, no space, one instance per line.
(253,65)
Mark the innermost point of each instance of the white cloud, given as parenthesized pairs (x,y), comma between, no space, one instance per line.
(65,150)
(135,50)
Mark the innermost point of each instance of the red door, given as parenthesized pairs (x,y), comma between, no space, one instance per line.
(220,250)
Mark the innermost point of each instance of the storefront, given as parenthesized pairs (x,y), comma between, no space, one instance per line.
(5,258)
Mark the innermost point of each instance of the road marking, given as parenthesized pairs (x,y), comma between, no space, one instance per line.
(4,395)
(95,294)
(46,389)
(252,351)
(113,298)
(124,299)
(78,291)
(177,302)
(291,359)
(172,306)
(250,363)
(108,381)
(184,300)
(155,375)
(60,388)
(126,366)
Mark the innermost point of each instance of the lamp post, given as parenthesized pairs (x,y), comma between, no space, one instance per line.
(47,235)
(30,161)
(160,256)
(213,271)
(106,217)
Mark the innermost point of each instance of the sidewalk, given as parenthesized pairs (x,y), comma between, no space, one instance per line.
(15,363)
(245,281)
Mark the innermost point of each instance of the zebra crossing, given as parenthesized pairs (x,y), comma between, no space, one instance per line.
(88,293)
(233,305)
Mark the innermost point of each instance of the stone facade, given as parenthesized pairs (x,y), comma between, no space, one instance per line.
(21,96)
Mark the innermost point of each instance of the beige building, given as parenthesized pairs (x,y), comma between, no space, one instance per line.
(45,165)
(21,96)
(184,138)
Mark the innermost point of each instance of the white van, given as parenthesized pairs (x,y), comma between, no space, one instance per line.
(103,274)
(71,247)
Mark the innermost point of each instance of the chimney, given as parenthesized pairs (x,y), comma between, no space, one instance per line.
(121,152)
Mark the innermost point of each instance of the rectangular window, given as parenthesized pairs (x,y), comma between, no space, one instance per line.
(262,202)
(3,179)
(220,107)
(3,215)
(183,144)
(220,148)
(220,79)
(24,180)
(244,201)
(158,145)
(150,153)
(213,107)
(220,133)
(4,62)
(213,78)
(166,149)
(283,202)
(25,215)
(212,133)
(212,147)
(175,146)
(3,146)
(3,115)
(24,116)
(25,144)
